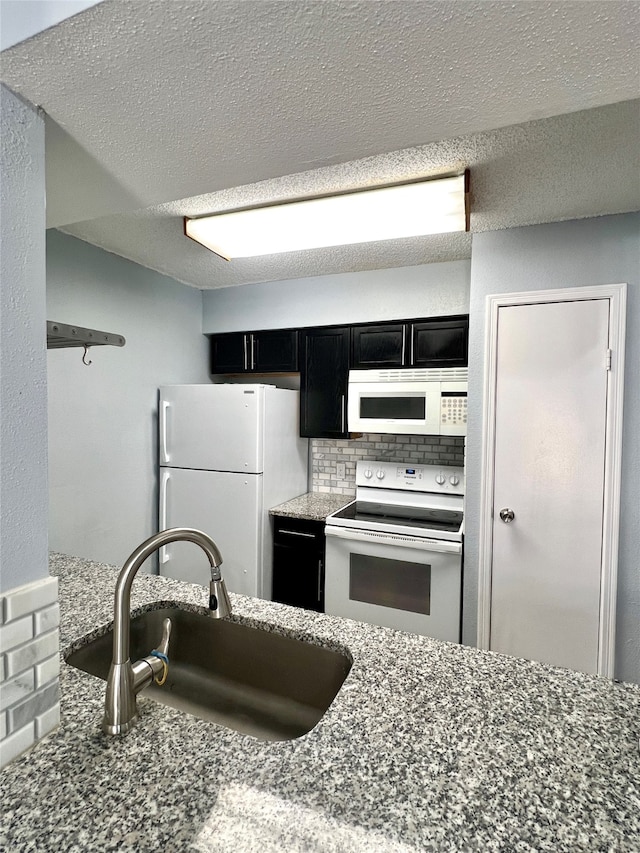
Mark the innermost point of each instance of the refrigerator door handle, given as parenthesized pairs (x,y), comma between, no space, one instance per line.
(164,490)
(163,432)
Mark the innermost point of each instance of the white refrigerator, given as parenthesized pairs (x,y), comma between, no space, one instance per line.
(228,453)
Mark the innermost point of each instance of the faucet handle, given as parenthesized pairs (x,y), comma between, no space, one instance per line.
(155,665)
(163,647)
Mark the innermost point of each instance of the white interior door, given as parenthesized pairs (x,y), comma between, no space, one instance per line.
(549,472)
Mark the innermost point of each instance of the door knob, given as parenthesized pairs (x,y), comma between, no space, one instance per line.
(507,515)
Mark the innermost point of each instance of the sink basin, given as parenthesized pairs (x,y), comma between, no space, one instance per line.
(248,679)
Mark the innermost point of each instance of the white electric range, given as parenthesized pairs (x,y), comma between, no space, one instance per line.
(394,555)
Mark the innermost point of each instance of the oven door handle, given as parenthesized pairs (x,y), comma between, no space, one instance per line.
(438,545)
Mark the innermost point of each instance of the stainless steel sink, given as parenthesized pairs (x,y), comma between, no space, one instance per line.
(248,679)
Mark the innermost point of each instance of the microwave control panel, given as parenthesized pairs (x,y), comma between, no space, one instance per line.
(453,414)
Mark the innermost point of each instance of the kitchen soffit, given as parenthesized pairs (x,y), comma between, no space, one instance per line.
(155,101)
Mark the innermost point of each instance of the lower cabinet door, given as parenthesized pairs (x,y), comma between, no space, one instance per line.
(298,577)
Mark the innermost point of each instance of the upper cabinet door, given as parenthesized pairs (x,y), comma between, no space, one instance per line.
(274,351)
(384,345)
(229,353)
(324,370)
(441,342)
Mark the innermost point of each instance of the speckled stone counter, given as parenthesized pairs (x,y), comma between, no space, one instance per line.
(315,506)
(428,746)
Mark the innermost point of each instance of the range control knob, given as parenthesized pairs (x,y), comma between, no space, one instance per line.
(454,479)
(380,474)
(441,479)
(368,473)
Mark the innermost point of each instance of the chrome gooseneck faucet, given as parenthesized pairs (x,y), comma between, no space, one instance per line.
(125,679)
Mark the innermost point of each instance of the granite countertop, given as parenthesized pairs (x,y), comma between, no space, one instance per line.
(315,506)
(428,746)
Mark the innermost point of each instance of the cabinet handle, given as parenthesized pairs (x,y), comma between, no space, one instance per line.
(297,533)
(253,353)
(246,360)
(342,406)
(319,578)
(412,356)
(404,344)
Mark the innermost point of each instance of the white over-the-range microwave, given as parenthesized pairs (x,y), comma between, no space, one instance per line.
(408,401)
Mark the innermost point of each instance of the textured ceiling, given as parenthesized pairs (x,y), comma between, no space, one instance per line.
(154,101)
(568,167)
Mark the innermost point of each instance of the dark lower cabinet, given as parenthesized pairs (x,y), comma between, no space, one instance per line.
(298,562)
(324,371)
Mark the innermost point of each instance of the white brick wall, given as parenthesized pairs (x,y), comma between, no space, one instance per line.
(29,666)
(328,454)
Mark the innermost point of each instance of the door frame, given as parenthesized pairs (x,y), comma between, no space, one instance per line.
(617,295)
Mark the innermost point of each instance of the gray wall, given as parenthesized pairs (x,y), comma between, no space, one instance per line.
(603,250)
(356,297)
(21,21)
(102,418)
(23,377)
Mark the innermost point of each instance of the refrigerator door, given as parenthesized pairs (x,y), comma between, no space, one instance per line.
(212,427)
(226,507)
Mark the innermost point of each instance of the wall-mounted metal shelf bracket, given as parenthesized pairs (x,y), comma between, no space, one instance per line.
(61,335)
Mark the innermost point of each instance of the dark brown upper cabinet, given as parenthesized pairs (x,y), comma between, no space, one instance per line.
(441,342)
(271,351)
(382,345)
(324,370)
(228,353)
(275,351)
(433,342)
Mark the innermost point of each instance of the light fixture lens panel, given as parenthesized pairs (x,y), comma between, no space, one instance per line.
(388,213)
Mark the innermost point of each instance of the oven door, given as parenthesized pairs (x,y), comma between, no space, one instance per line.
(400,582)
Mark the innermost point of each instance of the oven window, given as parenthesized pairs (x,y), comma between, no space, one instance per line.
(390,583)
(401,408)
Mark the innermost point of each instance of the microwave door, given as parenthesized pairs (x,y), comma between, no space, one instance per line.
(404,408)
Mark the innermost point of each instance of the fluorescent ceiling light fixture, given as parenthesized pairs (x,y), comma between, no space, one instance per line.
(414,209)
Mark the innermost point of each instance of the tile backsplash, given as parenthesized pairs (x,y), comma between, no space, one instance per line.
(29,666)
(334,460)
